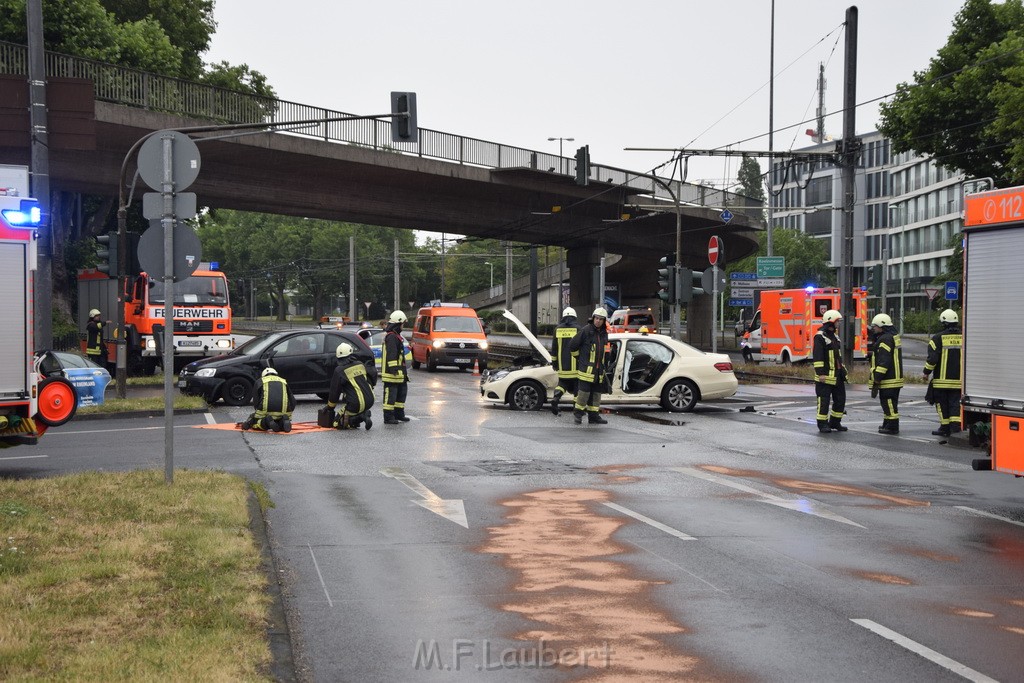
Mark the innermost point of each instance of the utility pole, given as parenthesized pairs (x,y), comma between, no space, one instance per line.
(771,131)
(398,300)
(848,161)
(40,173)
(352,277)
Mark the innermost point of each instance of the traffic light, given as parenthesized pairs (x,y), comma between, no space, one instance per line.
(107,254)
(689,285)
(403,117)
(583,165)
(667,279)
(875,280)
(132,266)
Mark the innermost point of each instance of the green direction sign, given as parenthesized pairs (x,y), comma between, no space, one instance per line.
(771,266)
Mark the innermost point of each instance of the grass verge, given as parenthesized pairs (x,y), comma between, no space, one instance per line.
(119,577)
(858,374)
(124,405)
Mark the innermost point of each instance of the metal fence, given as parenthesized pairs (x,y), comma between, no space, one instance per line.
(134,88)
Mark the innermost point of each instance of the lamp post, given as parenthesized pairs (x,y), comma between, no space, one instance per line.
(561,161)
(488,263)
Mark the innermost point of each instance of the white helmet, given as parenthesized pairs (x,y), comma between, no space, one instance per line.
(569,312)
(398,317)
(267,372)
(94,312)
(881,320)
(344,349)
(949,316)
(831,316)
(601,312)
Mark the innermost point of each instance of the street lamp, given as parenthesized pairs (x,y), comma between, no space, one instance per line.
(488,263)
(561,163)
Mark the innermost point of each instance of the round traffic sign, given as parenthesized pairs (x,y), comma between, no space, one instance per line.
(185,160)
(714,249)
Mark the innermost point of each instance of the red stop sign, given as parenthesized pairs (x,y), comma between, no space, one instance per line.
(714,248)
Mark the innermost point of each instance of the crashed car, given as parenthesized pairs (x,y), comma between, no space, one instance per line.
(644,369)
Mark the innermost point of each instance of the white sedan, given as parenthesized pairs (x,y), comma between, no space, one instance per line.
(644,369)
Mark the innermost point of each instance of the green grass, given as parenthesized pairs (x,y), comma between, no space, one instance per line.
(858,374)
(124,405)
(120,577)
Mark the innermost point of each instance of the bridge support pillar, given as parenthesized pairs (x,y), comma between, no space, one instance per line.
(584,279)
(699,326)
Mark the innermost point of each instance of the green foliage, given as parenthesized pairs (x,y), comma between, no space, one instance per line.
(806,258)
(965,107)
(750,179)
(922,322)
(188,25)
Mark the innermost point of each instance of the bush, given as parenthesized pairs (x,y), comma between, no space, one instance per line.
(922,322)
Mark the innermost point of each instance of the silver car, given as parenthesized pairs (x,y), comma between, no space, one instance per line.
(644,369)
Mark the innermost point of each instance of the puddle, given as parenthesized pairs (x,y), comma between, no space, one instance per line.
(655,420)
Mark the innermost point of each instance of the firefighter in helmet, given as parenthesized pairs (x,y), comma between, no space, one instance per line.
(350,385)
(589,346)
(94,346)
(274,404)
(946,384)
(563,360)
(830,375)
(393,371)
(887,371)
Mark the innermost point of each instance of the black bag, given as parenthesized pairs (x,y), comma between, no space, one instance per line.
(325,417)
(929,394)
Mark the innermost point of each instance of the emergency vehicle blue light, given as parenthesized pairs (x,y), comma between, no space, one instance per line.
(28,215)
(214,265)
(809,289)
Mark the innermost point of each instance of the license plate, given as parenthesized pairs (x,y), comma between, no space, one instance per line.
(181,384)
(462,360)
(190,342)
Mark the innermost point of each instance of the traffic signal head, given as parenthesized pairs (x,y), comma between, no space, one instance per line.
(875,280)
(667,279)
(583,165)
(689,285)
(107,254)
(403,117)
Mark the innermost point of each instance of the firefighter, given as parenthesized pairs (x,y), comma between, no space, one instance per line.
(94,347)
(887,371)
(563,360)
(274,404)
(394,372)
(830,375)
(589,346)
(944,360)
(351,383)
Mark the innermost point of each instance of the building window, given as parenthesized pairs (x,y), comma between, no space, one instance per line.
(819,191)
(818,222)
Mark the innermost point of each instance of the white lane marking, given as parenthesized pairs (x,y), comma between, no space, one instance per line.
(647,520)
(210,419)
(320,576)
(452,509)
(455,436)
(988,514)
(680,568)
(23,457)
(926,652)
(804,505)
(772,406)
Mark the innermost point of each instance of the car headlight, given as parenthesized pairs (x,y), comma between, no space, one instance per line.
(223,343)
(438,344)
(495,376)
(483,345)
(206,372)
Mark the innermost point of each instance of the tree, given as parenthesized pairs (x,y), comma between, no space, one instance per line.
(806,258)
(750,179)
(964,109)
(188,25)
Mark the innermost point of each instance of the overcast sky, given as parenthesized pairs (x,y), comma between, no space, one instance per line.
(611,74)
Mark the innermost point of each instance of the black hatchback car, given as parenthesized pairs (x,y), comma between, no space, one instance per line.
(305,358)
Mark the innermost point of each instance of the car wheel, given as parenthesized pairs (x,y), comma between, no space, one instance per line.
(679,396)
(236,391)
(431,363)
(526,395)
(58,401)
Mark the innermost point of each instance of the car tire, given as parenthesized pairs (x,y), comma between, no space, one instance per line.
(526,394)
(431,363)
(236,391)
(58,401)
(679,396)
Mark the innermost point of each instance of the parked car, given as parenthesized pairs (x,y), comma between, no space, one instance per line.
(374,337)
(305,358)
(89,379)
(644,369)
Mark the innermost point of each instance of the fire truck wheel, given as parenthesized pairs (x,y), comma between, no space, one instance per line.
(58,401)
(679,396)
(237,391)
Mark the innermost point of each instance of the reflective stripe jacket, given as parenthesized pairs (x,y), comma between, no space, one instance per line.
(94,343)
(351,383)
(589,347)
(887,360)
(273,397)
(827,356)
(944,358)
(392,356)
(563,360)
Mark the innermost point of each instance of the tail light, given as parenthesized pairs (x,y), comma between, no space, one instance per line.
(723,367)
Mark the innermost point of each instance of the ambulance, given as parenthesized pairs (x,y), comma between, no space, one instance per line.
(783,328)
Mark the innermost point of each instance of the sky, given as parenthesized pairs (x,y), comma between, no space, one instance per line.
(610,74)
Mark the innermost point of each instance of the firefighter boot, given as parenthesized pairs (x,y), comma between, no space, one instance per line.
(269,424)
(596,419)
(247,424)
(389,417)
(823,427)
(400,415)
(554,402)
(367,422)
(837,426)
(941,431)
(890,427)
(577,416)
(286,424)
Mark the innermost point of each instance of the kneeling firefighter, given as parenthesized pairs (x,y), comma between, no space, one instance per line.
(351,385)
(274,404)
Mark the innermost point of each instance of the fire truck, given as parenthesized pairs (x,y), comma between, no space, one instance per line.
(784,326)
(993,392)
(202,316)
(29,402)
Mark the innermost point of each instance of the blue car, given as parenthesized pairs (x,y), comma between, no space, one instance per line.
(89,379)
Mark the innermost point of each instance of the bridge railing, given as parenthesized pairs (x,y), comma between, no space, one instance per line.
(134,88)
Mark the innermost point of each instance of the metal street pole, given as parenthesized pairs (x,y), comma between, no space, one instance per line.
(848,159)
(771,130)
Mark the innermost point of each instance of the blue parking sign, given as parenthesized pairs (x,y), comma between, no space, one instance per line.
(952,290)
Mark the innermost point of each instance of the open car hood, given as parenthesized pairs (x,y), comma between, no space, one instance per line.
(545,354)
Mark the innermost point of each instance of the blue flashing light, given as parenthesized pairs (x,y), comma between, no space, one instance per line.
(28,215)
(214,265)
(810,289)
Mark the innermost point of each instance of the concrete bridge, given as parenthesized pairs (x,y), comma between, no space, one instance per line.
(351,171)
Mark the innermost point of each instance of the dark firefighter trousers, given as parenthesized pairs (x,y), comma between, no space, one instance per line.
(947,405)
(834,394)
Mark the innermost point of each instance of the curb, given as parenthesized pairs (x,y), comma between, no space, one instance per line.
(133,413)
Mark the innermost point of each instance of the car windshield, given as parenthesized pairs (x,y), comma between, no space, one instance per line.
(641,319)
(73,360)
(456,323)
(256,345)
(375,339)
(198,289)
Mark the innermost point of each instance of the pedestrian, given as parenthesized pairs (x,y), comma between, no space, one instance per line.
(830,374)
(394,372)
(946,384)
(274,404)
(887,371)
(95,348)
(351,384)
(563,360)
(589,346)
